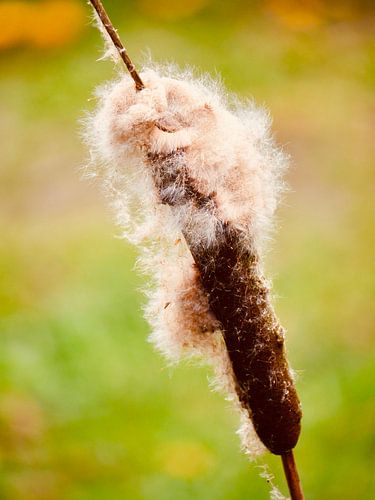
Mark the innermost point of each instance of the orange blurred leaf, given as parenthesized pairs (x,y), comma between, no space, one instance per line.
(12,18)
(55,23)
(296,14)
(40,24)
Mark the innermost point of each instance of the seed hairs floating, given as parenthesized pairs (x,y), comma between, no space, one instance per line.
(195,181)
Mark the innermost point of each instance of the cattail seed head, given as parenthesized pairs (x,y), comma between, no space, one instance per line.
(197,182)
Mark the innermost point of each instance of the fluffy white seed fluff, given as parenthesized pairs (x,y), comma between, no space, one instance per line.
(229,156)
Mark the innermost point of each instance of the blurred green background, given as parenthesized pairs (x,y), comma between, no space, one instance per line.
(87,409)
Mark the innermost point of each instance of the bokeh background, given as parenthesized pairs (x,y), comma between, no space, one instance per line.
(87,409)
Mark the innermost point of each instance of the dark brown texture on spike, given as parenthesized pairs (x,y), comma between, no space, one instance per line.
(103,16)
(239,298)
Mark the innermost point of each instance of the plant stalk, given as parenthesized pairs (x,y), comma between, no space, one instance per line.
(103,16)
(291,474)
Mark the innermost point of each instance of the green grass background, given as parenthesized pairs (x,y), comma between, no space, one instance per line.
(87,409)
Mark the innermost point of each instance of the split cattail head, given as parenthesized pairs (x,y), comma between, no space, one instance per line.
(200,179)
(229,152)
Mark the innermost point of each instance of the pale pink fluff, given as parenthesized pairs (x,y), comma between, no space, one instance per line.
(227,152)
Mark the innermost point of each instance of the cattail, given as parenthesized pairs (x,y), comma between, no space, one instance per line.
(195,181)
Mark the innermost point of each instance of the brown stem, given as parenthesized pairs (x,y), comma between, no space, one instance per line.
(98,6)
(291,474)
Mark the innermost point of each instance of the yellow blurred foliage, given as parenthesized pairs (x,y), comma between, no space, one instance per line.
(41,24)
(21,416)
(35,484)
(21,420)
(308,14)
(185,460)
(296,14)
(170,9)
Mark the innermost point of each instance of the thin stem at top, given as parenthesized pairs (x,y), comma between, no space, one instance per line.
(103,16)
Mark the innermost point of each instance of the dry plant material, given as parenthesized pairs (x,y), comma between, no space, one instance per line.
(184,168)
(195,181)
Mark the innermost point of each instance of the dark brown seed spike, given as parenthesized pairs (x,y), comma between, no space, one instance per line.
(238,297)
